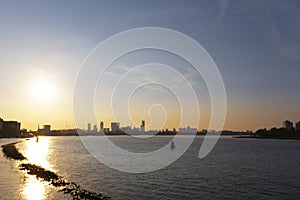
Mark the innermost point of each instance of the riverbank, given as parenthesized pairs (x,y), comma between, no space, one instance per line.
(269,137)
(10,151)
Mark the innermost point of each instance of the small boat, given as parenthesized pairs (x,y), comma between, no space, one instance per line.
(172,145)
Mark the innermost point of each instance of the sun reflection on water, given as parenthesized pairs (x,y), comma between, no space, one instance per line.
(37,152)
(34,189)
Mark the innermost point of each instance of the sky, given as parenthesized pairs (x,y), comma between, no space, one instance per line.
(255,45)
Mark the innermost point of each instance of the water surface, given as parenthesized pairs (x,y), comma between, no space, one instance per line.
(235,169)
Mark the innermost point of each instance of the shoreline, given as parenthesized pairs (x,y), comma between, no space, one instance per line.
(10,151)
(138,136)
(267,137)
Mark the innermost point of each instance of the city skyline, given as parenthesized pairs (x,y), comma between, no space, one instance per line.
(254,44)
(13,128)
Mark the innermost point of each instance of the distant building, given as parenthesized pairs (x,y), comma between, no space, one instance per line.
(288,124)
(9,129)
(1,124)
(115,126)
(24,133)
(101,126)
(143,126)
(135,130)
(187,130)
(298,125)
(45,129)
(89,127)
(95,129)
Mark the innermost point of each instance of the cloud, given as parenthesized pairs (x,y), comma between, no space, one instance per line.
(282,45)
(124,68)
(111,74)
(150,78)
(116,74)
(221,16)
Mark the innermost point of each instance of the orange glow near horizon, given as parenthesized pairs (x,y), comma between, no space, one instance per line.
(60,116)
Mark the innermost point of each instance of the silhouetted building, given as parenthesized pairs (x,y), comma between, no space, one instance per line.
(187,130)
(115,126)
(45,129)
(89,127)
(9,129)
(143,126)
(287,124)
(298,125)
(135,130)
(95,129)
(24,133)
(1,124)
(105,130)
(101,126)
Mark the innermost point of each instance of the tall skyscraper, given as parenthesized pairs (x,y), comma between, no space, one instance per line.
(143,126)
(101,126)
(89,127)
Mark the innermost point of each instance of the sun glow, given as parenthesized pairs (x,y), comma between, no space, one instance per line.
(42,90)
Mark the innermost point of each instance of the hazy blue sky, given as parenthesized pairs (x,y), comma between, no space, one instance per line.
(255,44)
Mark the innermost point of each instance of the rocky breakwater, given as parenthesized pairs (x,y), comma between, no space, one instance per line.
(70,188)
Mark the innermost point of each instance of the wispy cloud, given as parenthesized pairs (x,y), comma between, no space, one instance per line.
(156,79)
(124,68)
(282,46)
(221,16)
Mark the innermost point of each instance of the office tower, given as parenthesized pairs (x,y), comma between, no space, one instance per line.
(115,126)
(101,126)
(143,126)
(89,127)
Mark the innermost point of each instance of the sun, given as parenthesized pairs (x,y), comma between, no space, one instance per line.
(42,90)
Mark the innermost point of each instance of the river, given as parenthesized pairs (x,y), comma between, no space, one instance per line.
(235,169)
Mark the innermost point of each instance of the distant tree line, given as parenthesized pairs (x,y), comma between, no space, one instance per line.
(281,133)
